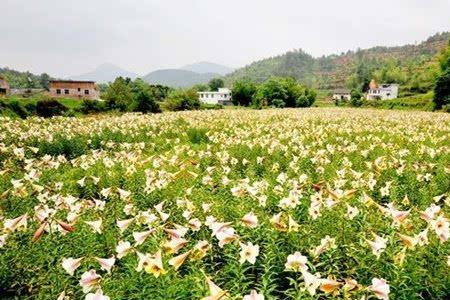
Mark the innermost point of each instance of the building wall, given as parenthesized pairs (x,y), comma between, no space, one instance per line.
(383,93)
(223,96)
(341,97)
(73,90)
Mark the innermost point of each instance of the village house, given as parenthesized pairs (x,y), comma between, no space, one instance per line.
(384,91)
(74,89)
(4,87)
(222,96)
(341,94)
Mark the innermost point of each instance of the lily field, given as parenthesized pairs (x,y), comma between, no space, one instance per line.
(320,203)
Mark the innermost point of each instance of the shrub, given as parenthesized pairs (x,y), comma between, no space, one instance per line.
(49,108)
(278,103)
(92,106)
(304,101)
(211,106)
(18,109)
(31,108)
(446,108)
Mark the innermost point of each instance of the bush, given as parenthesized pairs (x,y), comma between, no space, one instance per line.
(183,100)
(18,109)
(446,108)
(49,108)
(91,106)
(31,108)
(278,103)
(211,106)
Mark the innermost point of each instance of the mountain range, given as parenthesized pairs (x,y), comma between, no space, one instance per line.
(105,73)
(413,66)
(188,75)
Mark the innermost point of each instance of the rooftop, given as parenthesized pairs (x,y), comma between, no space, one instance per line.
(72,81)
(341,91)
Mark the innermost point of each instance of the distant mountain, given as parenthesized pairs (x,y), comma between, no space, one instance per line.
(412,65)
(105,73)
(208,67)
(178,77)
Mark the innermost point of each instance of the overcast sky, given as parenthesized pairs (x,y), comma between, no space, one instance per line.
(72,37)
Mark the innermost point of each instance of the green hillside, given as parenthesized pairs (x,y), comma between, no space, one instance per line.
(413,66)
(25,80)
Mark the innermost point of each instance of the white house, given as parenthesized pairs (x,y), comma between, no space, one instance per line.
(222,96)
(341,94)
(384,91)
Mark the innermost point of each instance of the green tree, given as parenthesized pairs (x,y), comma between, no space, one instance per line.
(216,83)
(200,87)
(355,98)
(287,90)
(442,90)
(442,86)
(44,80)
(118,95)
(183,99)
(243,92)
(145,103)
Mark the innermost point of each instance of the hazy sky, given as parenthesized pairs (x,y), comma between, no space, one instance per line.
(64,37)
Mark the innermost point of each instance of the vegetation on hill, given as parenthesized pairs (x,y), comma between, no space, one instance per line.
(25,80)
(413,66)
(178,78)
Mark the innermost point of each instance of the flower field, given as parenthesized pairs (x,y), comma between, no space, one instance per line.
(229,204)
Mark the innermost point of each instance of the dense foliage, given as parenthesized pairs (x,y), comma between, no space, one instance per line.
(127,95)
(49,108)
(292,204)
(414,67)
(442,87)
(216,83)
(25,80)
(283,92)
(243,92)
(182,99)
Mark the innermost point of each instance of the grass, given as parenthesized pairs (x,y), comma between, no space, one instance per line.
(68,102)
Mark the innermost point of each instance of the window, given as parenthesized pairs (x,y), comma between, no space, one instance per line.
(79,89)
(58,91)
(66,91)
(86,92)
